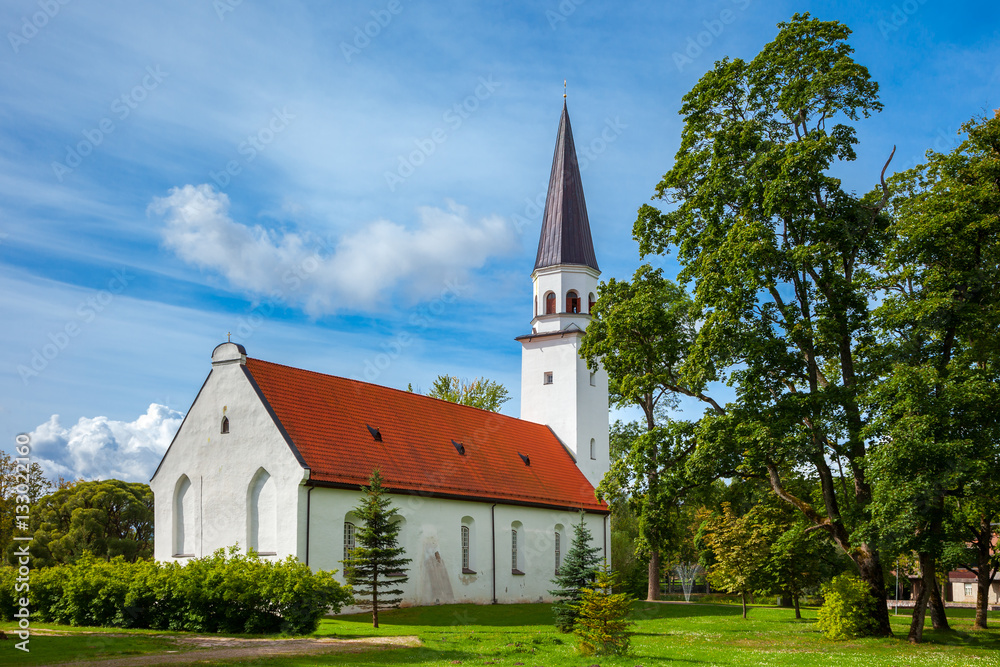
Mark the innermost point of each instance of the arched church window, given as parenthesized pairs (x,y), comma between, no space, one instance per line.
(550,303)
(593,449)
(185,518)
(590,303)
(572,302)
(558,538)
(349,543)
(225,425)
(516,553)
(262,514)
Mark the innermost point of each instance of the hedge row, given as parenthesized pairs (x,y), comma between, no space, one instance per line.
(232,593)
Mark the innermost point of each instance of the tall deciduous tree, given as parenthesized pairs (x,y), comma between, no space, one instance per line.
(938,406)
(377,565)
(479,393)
(641,333)
(578,570)
(780,256)
(107,518)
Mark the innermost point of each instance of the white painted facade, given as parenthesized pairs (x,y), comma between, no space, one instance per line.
(967,591)
(557,388)
(243,488)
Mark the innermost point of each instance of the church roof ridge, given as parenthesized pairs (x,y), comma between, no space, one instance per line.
(565,237)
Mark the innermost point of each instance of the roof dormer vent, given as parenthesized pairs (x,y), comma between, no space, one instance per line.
(524,457)
(459,447)
(376,434)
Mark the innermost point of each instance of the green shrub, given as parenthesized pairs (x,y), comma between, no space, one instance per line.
(601,622)
(233,593)
(847,608)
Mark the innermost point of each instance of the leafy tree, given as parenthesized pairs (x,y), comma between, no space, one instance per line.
(106,518)
(641,333)
(799,560)
(780,256)
(13,500)
(377,566)
(740,547)
(577,571)
(479,393)
(938,406)
(602,618)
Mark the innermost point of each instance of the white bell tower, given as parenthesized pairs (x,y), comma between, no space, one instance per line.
(557,389)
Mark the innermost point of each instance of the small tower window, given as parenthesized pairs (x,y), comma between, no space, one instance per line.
(547,378)
(225,424)
(550,303)
(590,303)
(593,449)
(572,302)
(593,379)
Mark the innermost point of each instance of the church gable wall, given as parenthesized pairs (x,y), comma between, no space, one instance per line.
(243,486)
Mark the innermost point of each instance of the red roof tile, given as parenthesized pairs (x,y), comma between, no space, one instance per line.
(326,418)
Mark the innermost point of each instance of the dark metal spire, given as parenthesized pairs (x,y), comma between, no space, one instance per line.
(565,235)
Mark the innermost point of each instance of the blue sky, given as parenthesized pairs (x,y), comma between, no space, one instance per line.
(349,188)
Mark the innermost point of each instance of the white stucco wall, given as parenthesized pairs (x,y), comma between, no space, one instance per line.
(431,535)
(221,468)
(958,592)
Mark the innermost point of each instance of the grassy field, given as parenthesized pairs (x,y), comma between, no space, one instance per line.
(696,634)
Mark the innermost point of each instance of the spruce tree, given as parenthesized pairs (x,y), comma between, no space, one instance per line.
(578,570)
(602,622)
(376,567)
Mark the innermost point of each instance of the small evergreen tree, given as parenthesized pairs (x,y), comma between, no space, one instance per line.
(601,622)
(376,567)
(578,570)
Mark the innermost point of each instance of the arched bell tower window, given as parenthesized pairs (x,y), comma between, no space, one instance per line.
(550,303)
(572,302)
(590,303)
(225,425)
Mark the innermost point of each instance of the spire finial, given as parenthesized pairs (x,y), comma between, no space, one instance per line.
(229,337)
(564,88)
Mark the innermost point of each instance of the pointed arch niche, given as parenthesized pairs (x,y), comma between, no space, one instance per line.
(185,518)
(262,514)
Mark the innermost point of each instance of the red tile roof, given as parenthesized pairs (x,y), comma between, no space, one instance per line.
(326,419)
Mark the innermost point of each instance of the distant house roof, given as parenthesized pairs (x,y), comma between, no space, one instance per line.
(342,429)
(565,237)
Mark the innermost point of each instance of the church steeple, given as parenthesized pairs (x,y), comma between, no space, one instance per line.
(565,237)
(557,387)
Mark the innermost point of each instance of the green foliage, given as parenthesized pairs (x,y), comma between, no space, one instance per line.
(578,570)
(377,566)
(16,495)
(846,611)
(105,518)
(602,624)
(236,593)
(479,393)
(781,259)
(740,547)
(631,569)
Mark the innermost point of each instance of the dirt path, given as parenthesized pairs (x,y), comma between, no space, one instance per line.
(228,648)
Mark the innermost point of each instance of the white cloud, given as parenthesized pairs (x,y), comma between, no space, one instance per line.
(102,448)
(360,270)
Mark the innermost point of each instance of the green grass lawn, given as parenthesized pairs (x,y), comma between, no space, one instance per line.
(696,634)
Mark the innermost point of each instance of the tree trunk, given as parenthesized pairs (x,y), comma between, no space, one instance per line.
(939,619)
(870,570)
(798,614)
(920,605)
(653,591)
(743,598)
(983,575)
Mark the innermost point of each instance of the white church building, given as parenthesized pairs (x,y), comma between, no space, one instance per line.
(272,458)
